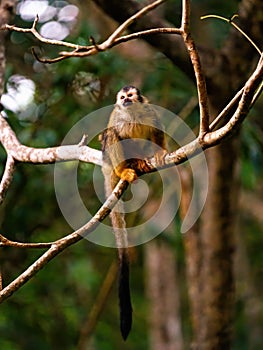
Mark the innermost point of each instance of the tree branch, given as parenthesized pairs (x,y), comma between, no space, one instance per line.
(245,103)
(128,22)
(39,37)
(7,177)
(23,153)
(5,242)
(199,76)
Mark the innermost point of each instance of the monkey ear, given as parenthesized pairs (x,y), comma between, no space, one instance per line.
(144,99)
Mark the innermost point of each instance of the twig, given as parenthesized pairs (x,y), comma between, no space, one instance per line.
(39,37)
(250,89)
(127,23)
(231,104)
(231,21)
(7,177)
(122,39)
(46,60)
(226,110)
(257,94)
(8,243)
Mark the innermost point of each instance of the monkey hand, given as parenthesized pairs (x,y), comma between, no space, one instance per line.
(126,174)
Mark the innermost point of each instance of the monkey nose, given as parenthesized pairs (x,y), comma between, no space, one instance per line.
(127,102)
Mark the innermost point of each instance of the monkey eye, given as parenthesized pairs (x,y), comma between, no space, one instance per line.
(122,97)
(129,95)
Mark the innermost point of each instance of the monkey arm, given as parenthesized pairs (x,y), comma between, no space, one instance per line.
(114,153)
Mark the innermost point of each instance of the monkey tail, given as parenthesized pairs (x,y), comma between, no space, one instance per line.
(121,237)
(124,294)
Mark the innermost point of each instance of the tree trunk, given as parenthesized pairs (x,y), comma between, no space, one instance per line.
(193,252)
(162,290)
(249,296)
(209,249)
(217,232)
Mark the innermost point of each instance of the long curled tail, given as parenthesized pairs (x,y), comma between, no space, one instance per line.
(124,294)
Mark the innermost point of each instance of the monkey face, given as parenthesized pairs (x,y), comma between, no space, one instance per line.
(128,95)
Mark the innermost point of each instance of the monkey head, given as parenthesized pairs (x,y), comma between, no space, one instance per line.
(128,95)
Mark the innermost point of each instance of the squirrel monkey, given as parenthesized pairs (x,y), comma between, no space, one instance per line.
(132,122)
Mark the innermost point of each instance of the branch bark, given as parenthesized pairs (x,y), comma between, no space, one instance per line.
(7,177)
(23,153)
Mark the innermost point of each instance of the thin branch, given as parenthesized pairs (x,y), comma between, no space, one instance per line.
(128,22)
(137,35)
(185,21)
(231,21)
(5,242)
(226,110)
(250,90)
(257,95)
(200,79)
(46,60)
(94,50)
(7,177)
(40,38)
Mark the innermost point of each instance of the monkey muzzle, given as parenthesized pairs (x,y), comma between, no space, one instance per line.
(127,102)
